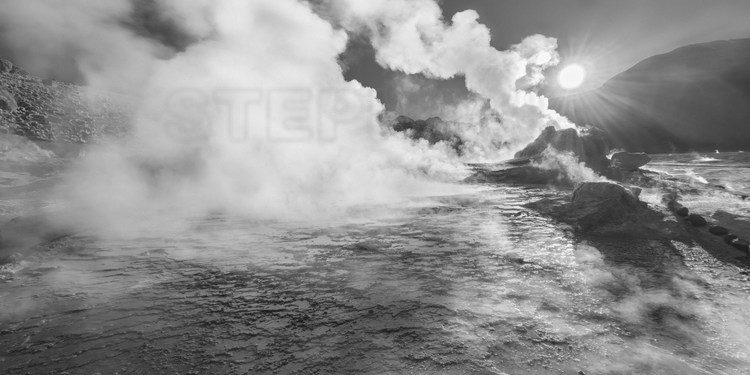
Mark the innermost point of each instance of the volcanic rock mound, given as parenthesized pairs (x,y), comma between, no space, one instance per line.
(629,162)
(589,146)
(434,130)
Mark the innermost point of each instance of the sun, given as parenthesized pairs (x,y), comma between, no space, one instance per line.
(571,76)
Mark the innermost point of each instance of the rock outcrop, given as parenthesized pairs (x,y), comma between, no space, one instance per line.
(553,158)
(604,208)
(518,174)
(722,227)
(433,130)
(588,146)
(629,162)
(718,230)
(734,228)
(741,244)
(697,220)
(602,203)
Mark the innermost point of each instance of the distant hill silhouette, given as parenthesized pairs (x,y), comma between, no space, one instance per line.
(695,98)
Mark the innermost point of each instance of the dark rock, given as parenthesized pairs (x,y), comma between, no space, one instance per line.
(589,146)
(537,147)
(526,174)
(7,102)
(605,208)
(697,220)
(741,244)
(681,210)
(5,66)
(669,198)
(599,203)
(603,191)
(737,225)
(718,230)
(673,205)
(518,161)
(433,130)
(628,161)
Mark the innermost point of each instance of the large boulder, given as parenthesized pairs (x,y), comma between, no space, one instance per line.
(7,101)
(535,164)
(628,161)
(596,204)
(588,146)
(697,220)
(718,230)
(537,147)
(606,208)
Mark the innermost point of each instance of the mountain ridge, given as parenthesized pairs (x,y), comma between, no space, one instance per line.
(694,98)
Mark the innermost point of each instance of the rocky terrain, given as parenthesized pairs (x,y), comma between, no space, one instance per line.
(691,99)
(611,206)
(45,110)
(545,160)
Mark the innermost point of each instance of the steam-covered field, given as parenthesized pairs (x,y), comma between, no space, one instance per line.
(466,282)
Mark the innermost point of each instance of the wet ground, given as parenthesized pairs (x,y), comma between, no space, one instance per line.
(462,284)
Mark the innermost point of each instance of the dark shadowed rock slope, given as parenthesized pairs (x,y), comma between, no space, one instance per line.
(51,112)
(695,98)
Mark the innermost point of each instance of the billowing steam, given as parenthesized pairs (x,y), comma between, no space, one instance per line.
(412,37)
(79,38)
(255,116)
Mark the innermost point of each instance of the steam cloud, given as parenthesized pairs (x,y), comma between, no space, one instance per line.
(255,116)
(412,37)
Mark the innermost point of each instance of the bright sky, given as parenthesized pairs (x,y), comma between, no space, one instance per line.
(612,35)
(606,37)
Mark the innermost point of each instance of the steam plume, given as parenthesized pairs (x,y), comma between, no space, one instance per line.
(255,115)
(412,37)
